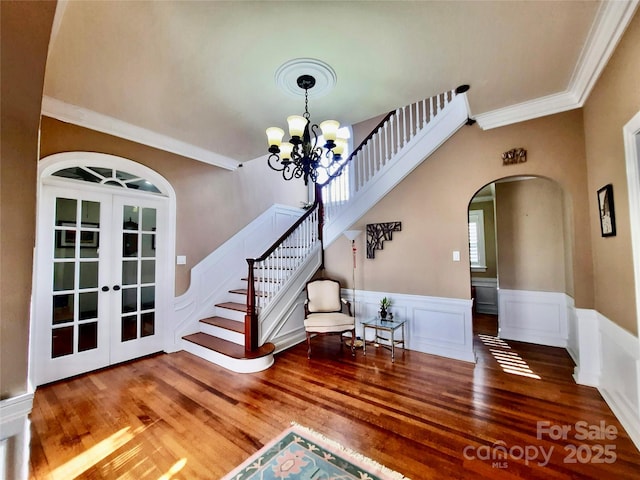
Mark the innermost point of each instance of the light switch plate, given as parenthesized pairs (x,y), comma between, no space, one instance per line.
(181,260)
(456,256)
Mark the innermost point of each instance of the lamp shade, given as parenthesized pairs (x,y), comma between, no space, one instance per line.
(285,151)
(330,129)
(274,136)
(296,125)
(352,234)
(341,144)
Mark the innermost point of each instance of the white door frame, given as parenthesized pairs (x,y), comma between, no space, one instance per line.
(47,166)
(631,133)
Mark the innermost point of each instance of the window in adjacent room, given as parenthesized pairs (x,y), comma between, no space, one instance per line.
(476,241)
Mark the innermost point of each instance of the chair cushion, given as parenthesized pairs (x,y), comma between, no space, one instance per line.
(328,322)
(324,296)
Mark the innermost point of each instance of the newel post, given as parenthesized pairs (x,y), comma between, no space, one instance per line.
(251,318)
(318,193)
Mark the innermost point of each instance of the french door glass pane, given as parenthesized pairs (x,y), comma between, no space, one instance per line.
(87,336)
(89,275)
(148,271)
(63,275)
(90,216)
(130,272)
(147,298)
(129,328)
(148,321)
(129,244)
(88,305)
(62,341)
(63,308)
(148,245)
(66,211)
(149,219)
(129,300)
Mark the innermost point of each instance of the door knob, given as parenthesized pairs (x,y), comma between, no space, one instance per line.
(116,287)
(105,289)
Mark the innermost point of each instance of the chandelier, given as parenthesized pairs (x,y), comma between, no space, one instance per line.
(301,156)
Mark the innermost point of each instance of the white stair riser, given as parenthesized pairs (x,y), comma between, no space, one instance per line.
(230,314)
(233,364)
(222,333)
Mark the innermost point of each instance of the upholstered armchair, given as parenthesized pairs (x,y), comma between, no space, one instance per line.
(323,312)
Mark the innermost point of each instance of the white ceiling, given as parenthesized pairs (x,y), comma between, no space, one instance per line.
(197,78)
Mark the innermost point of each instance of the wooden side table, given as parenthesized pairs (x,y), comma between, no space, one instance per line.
(389,326)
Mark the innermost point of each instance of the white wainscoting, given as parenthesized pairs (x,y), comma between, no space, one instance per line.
(15,436)
(608,358)
(435,325)
(486,300)
(534,317)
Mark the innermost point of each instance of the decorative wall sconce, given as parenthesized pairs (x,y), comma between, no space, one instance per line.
(377,233)
(515,155)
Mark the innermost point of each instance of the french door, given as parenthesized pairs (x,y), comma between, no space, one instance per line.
(97,282)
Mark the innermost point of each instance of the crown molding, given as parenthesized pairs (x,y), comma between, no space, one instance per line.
(69,113)
(607,29)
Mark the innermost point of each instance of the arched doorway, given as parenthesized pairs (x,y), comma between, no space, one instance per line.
(103,272)
(528,284)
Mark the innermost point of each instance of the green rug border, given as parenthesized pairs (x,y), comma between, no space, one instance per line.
(352,462)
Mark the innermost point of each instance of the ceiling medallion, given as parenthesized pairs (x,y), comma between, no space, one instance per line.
(288,73)
(301,156)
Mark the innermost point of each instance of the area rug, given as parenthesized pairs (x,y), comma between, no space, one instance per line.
(301,453)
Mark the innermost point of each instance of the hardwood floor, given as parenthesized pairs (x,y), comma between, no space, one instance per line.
(177,416)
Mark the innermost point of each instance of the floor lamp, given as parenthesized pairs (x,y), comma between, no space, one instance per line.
(352,235)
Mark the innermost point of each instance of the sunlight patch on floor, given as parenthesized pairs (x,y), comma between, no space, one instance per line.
(81,463)
(509,360)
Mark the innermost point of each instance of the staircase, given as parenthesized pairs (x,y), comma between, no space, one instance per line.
(252,321)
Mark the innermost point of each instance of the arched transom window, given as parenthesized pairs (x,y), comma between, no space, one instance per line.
(107,176)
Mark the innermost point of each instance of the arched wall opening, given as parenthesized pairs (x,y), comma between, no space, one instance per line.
(522,275)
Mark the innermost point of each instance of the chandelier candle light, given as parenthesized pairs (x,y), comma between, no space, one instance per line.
(300,157)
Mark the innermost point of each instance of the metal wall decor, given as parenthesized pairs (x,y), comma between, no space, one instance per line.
(515,155)
(377,233)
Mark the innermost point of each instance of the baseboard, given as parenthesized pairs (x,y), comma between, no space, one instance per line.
(435,325)
(534,317)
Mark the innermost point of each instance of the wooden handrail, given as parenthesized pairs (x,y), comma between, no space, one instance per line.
(251,327)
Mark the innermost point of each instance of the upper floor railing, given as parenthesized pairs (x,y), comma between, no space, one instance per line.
(392,134)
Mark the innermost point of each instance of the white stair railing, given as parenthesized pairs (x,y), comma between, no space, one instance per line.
(268,274)
(367,161)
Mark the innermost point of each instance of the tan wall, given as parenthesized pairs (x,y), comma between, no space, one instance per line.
(212,203)
(25,28)
(612,103)
(432,205)
(489,239)
(529,217)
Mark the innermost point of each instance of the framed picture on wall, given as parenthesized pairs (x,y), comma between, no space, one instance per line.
(606,211)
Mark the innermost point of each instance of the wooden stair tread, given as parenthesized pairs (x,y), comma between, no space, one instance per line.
(225,323)
(240,307)
(227,348)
